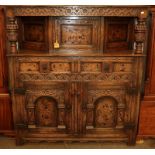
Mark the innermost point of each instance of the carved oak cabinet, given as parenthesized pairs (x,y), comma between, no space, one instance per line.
(76,71)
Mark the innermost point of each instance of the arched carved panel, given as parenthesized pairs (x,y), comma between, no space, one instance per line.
(46,112)
(105,112)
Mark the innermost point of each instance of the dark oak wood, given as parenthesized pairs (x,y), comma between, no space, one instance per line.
(119,33)
(6,124)
(33,33)
(75,89)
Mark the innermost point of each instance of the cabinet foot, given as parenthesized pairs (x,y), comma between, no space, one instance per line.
(19,141)
(140,141)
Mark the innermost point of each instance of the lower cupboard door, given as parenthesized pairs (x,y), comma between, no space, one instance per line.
(47,111)
(105,109)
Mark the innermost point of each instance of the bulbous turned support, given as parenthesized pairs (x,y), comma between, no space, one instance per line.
(140,32)
(12,29)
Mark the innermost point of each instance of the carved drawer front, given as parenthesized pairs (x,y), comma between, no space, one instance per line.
(28,67)
(123,67)
(96,66)
(63,67)
(105,107)
(77,32)
(102,66)
(91,67)
(45,105)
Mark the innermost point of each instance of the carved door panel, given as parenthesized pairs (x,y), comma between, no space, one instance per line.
(105,107)
(46,105)
(80,33)
(76,108)
(118,33)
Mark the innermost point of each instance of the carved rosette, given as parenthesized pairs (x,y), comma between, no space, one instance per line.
(140,33)
(12,28)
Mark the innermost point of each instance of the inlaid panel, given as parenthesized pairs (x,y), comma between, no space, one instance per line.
(105,112)
(118,33)
(60,67)
(76,35)
(46,112)
(80,33)
(123,67)
(29,67)
(91,67)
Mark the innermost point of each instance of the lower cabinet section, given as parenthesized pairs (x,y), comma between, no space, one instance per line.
(74,111)
(75,99)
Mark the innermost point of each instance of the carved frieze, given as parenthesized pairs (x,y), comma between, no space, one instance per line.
(61,58)
(77,77)
(77,11)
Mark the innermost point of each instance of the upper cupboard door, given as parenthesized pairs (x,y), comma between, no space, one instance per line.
(118,33)
(33,33)
(80,33)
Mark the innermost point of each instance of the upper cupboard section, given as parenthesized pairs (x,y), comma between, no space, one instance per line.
(76,34)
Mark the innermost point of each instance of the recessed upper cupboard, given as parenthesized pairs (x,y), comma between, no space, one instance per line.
(33,33)
(119,33)
(76,34)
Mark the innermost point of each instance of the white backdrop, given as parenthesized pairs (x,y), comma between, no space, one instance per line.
(77,2)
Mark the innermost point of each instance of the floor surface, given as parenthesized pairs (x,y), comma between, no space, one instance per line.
(9,143)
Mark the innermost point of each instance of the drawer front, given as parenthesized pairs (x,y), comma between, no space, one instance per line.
(76,69)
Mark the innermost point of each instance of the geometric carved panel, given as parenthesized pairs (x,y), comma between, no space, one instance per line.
(46,112)
(105,112)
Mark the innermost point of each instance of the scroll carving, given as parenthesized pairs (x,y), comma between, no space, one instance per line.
(77,11)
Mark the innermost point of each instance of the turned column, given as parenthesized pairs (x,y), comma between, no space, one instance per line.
(12,29)
(140,32)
